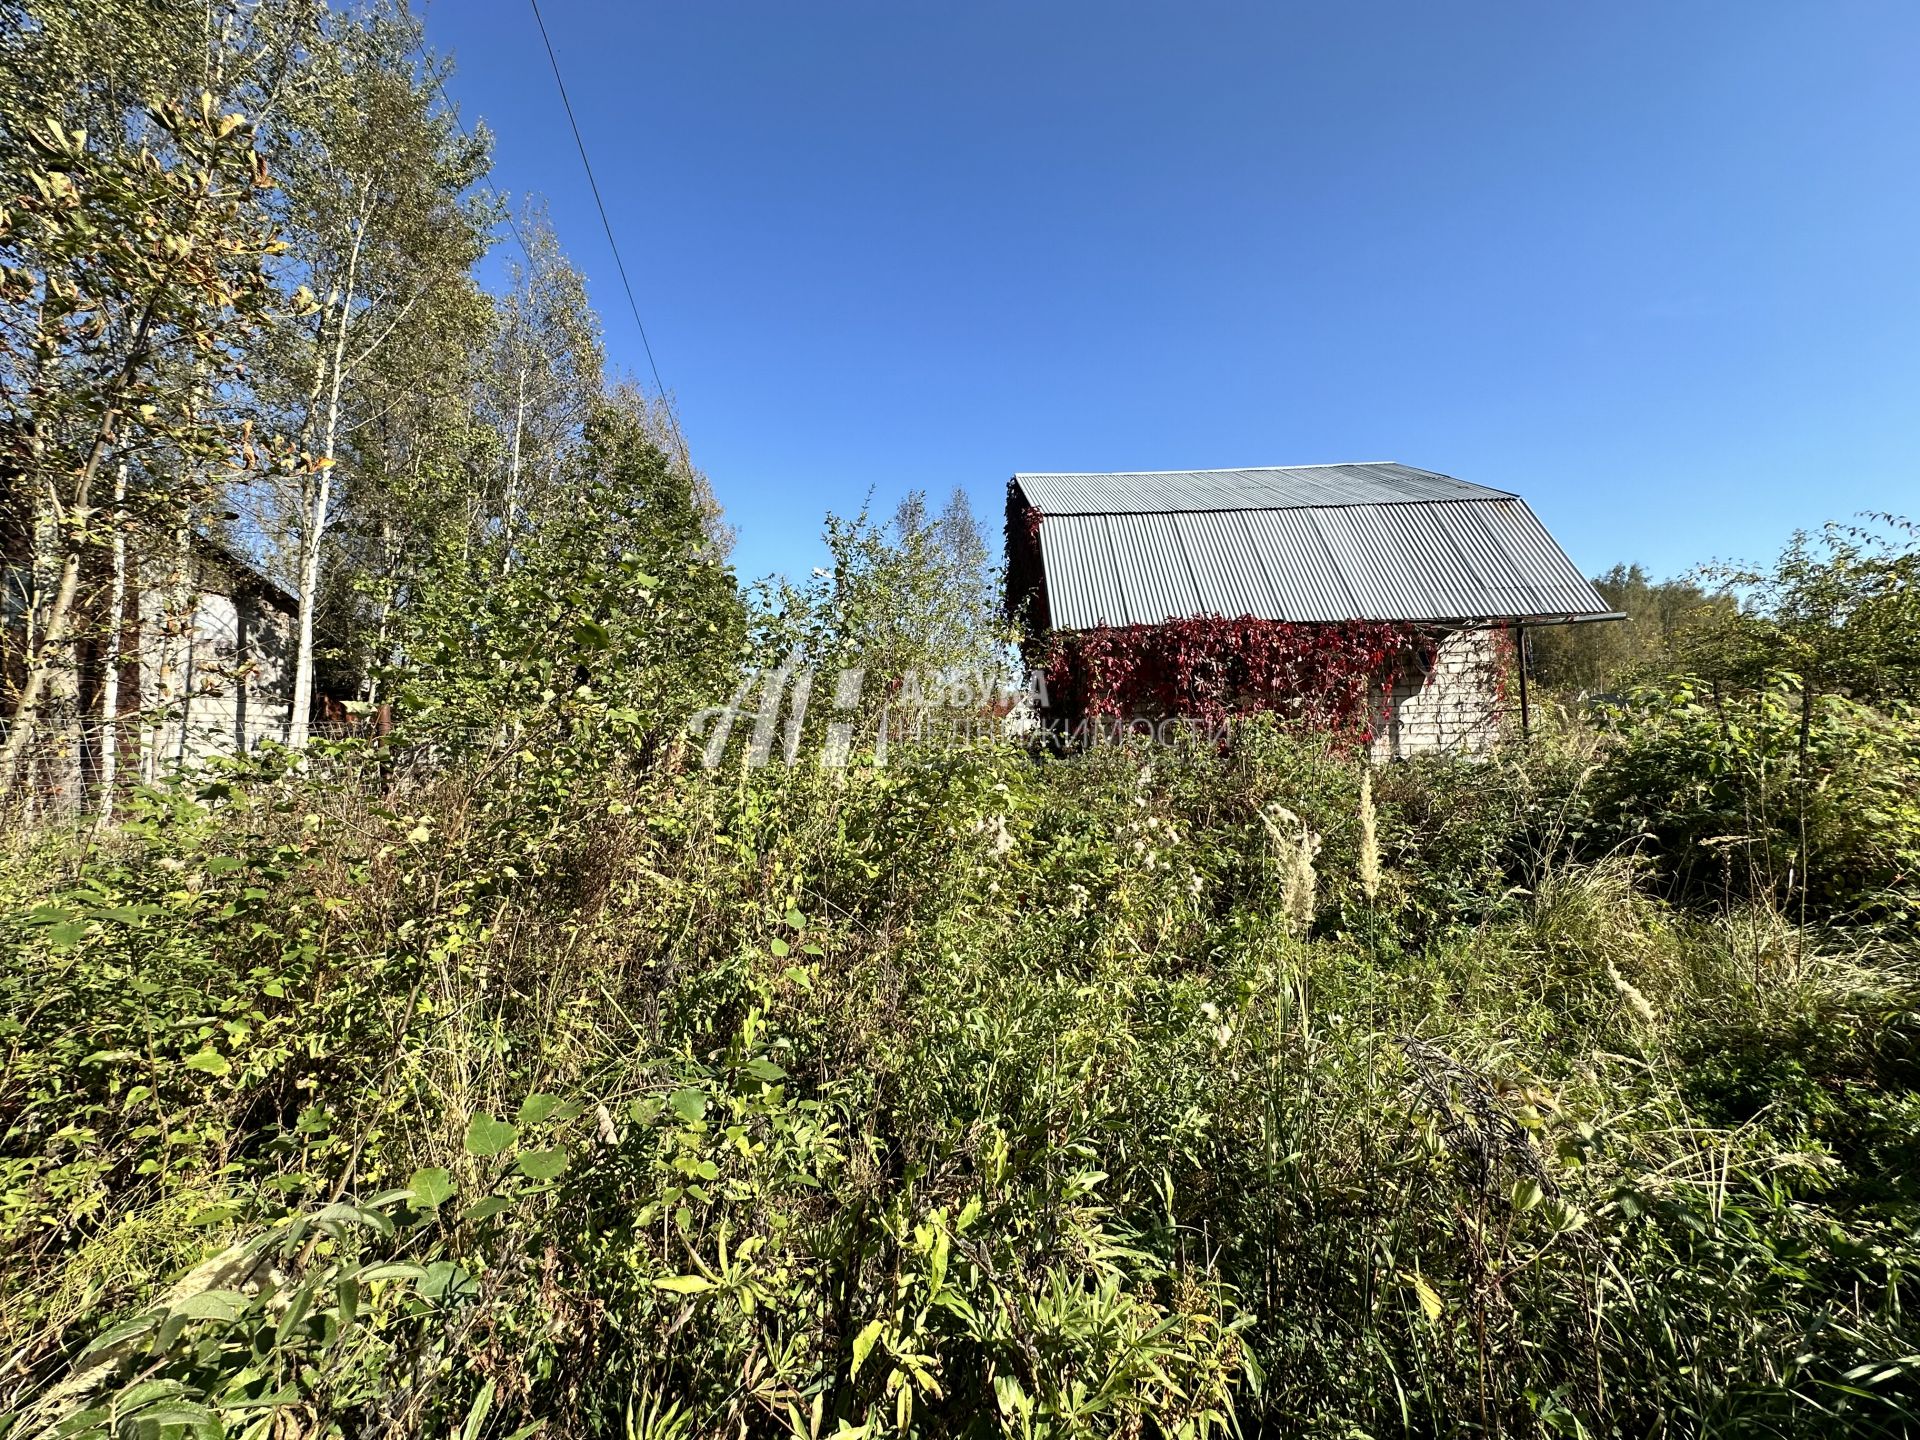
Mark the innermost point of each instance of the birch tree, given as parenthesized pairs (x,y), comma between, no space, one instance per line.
(546,371)
(119,78)
(113,263)
(379,219)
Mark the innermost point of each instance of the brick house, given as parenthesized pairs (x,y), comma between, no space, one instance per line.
(200,658)
(1361,561)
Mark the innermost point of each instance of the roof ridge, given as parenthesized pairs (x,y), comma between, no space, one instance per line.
(1493,497)
(1222,470)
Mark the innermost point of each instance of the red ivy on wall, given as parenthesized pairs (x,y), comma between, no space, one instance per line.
(1329,676)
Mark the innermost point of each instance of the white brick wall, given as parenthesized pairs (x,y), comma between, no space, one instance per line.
(1457,708)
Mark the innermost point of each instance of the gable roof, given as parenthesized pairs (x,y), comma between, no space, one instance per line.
(244,573)
(1311,543)
(1152,492)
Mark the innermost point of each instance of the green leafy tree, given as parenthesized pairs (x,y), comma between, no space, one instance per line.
(1610,655)
(618,610)
(542,378)
(383,231)
(1839,608)
(117,263)
(909,603)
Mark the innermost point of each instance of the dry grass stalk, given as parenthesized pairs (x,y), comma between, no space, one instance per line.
(1369,836)
(1294,855)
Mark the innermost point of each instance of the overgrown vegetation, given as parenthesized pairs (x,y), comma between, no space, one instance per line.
(510,1071)
(984,1092)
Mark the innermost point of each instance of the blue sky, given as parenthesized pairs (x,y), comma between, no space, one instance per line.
(1655,267)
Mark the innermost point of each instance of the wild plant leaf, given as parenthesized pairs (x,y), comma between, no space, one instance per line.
(392,1270)
(146,1393)
(1430,1303)
(684,1284)
(430,1188)
(537,1107)
(487,1135)
(863,1344)
(211,1305)
(542,1165)
(477,1415)
(341,1213)
(689,1104)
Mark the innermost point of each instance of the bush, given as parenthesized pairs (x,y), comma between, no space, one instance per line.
(983,1093)
(1754,797)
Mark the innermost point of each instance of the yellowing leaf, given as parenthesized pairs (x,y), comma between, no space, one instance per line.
(1430,1303)
(863,1344)
(684,1284)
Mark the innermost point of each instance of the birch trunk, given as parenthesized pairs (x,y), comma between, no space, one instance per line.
(315,519)
(513,472)
(59,626)
(57,634)
(116,631)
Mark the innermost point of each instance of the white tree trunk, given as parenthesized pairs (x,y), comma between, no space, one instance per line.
(116,627)
(166,640)
(56,634)
(513,472)
(315,520)
(59,623)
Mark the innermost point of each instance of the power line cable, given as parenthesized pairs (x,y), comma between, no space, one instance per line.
(453,114)
(612,244)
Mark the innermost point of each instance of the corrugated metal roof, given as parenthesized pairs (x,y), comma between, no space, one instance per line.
(1146,492)
(1403,559)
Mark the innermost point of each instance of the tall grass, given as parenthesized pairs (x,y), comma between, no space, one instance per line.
(985,1093)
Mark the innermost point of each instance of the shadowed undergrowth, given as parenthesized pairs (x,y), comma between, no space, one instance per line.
(980,1094)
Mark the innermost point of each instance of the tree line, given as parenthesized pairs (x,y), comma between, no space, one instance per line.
(240,304)
(1838,609)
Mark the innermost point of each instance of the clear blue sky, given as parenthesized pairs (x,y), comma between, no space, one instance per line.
(1656,267)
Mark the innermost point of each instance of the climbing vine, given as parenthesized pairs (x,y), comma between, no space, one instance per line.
(1330,676)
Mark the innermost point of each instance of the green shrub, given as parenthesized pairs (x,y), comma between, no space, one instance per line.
(982,1093)
(1752,796)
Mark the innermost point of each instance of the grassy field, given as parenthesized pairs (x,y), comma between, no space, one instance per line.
(1572,1092)
(516,1074)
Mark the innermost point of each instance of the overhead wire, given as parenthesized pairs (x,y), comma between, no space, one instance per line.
(626,285)
(606,224)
